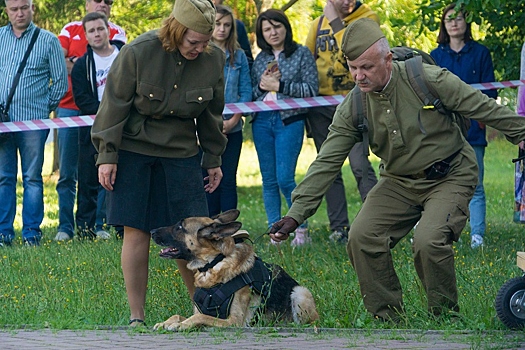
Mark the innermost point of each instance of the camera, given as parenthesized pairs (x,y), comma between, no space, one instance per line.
(4,117)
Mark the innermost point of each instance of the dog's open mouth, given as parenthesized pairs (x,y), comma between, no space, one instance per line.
(169,253)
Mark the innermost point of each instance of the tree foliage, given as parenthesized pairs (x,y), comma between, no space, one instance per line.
(402,24)
(499,23)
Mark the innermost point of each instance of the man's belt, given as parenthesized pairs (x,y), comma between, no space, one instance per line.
(436,171)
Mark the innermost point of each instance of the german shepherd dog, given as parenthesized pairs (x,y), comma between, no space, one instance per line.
(233,286)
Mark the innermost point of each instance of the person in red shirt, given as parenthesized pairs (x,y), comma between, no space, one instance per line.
(74,44)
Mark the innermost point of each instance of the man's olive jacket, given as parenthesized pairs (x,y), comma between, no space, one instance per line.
(407,137)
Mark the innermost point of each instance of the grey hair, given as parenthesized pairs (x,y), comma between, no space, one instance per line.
(383,47)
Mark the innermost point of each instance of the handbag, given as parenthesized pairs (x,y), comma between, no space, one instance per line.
(4,109)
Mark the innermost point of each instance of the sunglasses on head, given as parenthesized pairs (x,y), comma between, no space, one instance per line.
(107,2)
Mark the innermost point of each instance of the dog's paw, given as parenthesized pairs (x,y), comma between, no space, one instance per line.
(171,324)
(158,326)
(175,326)
(168,326)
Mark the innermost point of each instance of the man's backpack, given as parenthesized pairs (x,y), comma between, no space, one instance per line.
(414,59)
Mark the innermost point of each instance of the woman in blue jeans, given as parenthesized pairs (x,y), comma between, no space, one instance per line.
(237,88)
(283,69)
(471,62)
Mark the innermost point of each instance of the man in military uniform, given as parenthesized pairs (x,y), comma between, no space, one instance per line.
(428,172)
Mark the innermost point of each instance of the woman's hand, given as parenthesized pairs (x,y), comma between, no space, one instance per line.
(214,179)
(227,125)
(106,175)
(270,81)
(276,74)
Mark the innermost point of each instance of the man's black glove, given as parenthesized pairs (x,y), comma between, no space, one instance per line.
(280,230)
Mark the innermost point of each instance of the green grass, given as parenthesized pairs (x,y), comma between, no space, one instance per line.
(79,284)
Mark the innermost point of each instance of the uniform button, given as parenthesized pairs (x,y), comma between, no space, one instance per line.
(150,95)
(200,98)
(394,132)
(175,86)
(179,63)
(171,112)
(388,111)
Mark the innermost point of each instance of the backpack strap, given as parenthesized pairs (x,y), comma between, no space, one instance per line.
(428,95)
(418,81)
(359,115)
(317,36)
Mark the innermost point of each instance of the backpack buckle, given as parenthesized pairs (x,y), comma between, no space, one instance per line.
(362,128)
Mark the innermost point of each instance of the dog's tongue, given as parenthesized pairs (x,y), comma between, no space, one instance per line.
(170,253)
(165,251)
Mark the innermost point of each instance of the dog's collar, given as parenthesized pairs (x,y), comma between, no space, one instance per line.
(211,264)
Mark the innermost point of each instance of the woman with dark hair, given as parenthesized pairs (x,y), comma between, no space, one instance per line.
(450,17)
(471,62)
(283,69)
(237,88)
(164,89)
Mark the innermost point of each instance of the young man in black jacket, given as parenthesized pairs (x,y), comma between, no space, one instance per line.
(88,78)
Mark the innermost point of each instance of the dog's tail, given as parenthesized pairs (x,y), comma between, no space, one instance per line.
(303,306)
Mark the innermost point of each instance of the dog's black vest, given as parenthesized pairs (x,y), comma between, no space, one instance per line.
(216,301)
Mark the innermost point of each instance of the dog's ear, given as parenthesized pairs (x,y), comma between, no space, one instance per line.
(227,216)
(219,230)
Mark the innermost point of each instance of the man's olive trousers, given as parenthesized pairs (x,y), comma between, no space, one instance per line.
(391,210)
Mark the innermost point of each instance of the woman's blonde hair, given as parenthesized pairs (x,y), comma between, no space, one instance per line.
(171,34)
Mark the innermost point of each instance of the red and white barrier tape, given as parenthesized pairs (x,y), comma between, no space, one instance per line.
(230,108)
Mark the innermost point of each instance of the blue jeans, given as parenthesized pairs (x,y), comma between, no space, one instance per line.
(91,197)
(478,205)
(225,196)
(100,220)
(278,147)
(30,145)
(68,163)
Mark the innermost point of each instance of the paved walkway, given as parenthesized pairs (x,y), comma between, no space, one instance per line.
(259,339)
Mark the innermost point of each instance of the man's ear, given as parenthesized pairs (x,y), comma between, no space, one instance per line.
(389,56)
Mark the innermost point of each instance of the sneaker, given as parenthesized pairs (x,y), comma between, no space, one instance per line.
(476,241)
(101,234)
(339,236)
(62,236)
(5,241)
(301,237)
(31,242)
